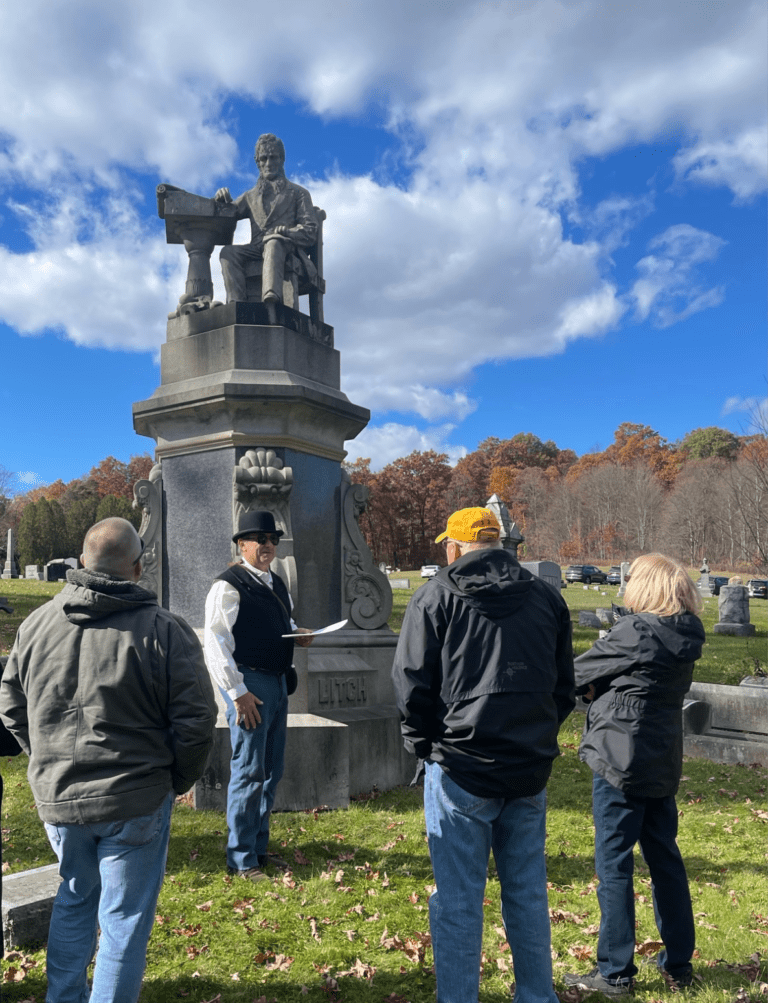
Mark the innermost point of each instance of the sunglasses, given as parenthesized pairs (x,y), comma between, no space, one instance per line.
(262,538)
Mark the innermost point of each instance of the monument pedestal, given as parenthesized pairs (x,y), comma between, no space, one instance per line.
(249,414)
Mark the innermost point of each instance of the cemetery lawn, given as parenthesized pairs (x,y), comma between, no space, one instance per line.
(350,923)
(725,659)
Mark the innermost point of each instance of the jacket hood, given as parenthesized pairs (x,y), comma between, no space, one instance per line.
(683,635)
(89,595)
(491,581)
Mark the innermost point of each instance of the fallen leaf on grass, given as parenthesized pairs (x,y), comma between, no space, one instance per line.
(502,965)
(395,998)
(351,934)
(190,930)
(582,952)
(395,841)
(205,906)
(13,974)
(280,964)
(300,859)
(562,916)
(649,947)
(359,970)
(313,928)
(214,999)
(192,951)
(592,929)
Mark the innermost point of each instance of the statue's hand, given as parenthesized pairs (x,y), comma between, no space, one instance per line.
(222,195)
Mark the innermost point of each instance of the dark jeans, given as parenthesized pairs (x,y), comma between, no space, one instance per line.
(620,822)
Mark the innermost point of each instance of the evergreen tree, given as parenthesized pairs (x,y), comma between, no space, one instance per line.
(81,515)
(114,505)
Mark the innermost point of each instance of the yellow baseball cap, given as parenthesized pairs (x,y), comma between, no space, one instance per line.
(471,525)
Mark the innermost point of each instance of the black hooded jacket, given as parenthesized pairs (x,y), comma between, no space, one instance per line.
(483,674)
(641,670)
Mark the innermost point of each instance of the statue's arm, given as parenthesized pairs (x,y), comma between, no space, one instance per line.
(240,203)
(304,231)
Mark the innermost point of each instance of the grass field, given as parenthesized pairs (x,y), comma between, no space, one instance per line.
(350,923)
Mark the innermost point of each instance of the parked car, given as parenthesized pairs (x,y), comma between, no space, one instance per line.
(614,575)
(715,581)
(757,588)
(586,573)
(429,570)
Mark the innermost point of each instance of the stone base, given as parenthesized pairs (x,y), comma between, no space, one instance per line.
(735,629)
(726,748)
(343,727)
(27,905)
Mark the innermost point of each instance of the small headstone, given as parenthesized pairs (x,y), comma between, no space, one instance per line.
(625,566)
(27,905)
(399,583)
(588,619)
(33,571)
(56,571)
(605,616)
(548,571)
(733,612)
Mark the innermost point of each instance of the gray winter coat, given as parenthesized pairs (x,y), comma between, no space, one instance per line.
(109,695)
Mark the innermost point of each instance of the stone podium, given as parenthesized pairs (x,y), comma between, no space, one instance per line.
(249,414)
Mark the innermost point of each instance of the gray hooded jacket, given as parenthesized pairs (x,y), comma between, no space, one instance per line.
(109,695)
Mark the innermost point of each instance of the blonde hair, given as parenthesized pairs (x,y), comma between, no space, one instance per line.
(661,586)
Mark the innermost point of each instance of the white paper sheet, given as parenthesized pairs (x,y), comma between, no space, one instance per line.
(321,630)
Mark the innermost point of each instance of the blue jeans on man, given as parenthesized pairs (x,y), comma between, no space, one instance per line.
(462,829)
(111,874)
(256,768)
(620,822)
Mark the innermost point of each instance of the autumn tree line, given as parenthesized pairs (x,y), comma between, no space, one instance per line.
(705,496)
(52,521)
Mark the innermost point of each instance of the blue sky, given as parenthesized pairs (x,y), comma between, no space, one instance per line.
(542,217)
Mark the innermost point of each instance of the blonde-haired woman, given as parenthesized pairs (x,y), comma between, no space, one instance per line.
(636,678)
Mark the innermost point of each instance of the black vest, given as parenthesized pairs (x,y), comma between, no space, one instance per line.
(261,620)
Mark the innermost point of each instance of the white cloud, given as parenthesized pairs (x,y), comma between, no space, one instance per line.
(739,163)
(29,479)
(384,443)
(668,290)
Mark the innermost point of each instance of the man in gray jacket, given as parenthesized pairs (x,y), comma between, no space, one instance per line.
(109,695)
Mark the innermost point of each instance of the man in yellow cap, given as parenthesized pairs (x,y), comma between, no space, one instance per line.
(483,677)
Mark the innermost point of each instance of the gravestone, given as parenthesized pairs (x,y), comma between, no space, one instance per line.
(703,582)
(727,724)
(33,571)
(589,619)
(733,612)
(10,569)
(625,566)
(250,414)
(56,570)
(27,906)
(548,571)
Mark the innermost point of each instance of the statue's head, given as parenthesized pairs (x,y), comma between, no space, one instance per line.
(270,156)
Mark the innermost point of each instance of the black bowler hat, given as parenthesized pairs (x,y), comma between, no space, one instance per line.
(256,522)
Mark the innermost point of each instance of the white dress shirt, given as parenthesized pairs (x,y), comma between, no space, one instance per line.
(221,608)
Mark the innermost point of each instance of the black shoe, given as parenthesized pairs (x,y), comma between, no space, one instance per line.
(677,982)
(594,982)
(273,860)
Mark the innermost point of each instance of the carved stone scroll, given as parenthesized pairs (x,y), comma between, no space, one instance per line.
(148,496)
(262,481)
(366,596)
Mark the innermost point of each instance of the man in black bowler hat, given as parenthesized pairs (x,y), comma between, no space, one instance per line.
(247,611)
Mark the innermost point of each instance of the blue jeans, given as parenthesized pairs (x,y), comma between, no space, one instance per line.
(620,822)
(111,873)
(255,771)
(462,829)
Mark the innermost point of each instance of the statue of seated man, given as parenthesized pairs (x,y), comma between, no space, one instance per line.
(282,224)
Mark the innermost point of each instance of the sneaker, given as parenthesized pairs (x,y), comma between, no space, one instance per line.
(594,982)
(251,874)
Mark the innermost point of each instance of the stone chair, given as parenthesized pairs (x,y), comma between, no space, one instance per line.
(296,281)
